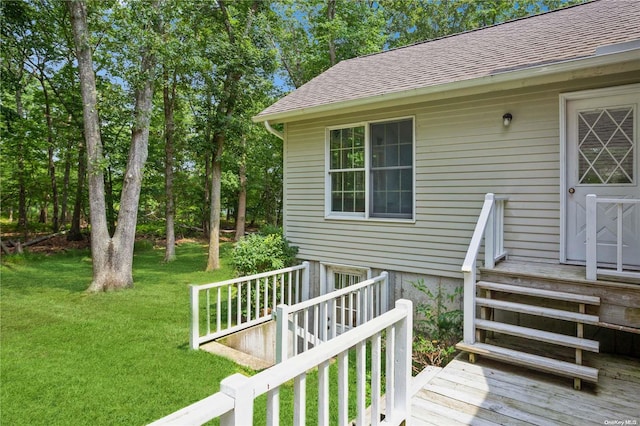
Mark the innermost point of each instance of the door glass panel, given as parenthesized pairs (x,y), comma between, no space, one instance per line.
(605,145)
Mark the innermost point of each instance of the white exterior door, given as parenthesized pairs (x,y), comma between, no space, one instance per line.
(602,159)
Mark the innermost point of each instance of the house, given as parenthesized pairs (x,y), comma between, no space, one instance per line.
(388,157)
(524,135)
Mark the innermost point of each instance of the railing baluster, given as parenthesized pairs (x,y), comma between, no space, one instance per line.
(239,303)
(316,324)
(266,297)
(294,319)
(361,386)
(389,369)
(323,394)
(257,307)
(299,400)
(219,310)
(306,330)
(229,305)
(619,240)
(273,407)
(208,313)
(343,388)
(375,379)
(249,300)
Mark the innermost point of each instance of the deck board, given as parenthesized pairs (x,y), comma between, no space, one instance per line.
(491,392)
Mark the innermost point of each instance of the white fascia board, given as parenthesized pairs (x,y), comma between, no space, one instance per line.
(568,66)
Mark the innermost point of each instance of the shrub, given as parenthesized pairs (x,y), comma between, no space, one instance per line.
(256,253)
(438,330)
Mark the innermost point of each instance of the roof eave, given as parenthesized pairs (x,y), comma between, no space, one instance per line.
(497,78)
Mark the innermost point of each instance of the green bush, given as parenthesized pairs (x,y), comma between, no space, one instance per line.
(438,329)
(257,253)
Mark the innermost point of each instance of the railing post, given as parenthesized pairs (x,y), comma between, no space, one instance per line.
(195,319)
(592,243)
(490,235)
(305,281)
(236,387)
(469,307)
(385,292)
(282,333)
(402,363)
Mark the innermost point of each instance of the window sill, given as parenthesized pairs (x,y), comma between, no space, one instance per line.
(337,218)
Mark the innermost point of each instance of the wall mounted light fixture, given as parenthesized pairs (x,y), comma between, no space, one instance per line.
(506,119)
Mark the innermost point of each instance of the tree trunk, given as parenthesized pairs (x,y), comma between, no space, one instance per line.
(75,233)
(242,194)
(213,261)
(111,213)
(22,192)
(331,14)
(208,162)
(50,150)
(169,96)
(112,256)
(64,209)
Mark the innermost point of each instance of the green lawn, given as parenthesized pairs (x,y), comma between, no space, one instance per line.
(119,358)
(69,358)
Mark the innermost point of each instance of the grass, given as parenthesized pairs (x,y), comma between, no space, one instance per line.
(71,358)
(113,358)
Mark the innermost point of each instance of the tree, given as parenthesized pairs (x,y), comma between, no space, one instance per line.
(313,36)
(243,57)
(113,255)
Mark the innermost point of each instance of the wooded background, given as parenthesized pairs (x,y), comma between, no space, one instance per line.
(204,68)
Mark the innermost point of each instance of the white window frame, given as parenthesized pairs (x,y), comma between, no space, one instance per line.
(328,214)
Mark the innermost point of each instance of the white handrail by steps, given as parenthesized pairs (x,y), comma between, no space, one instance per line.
(490,226)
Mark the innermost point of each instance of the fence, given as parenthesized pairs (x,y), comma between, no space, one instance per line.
(233,305)
(309,323)
(238,391)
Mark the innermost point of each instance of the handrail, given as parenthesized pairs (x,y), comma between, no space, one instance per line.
(490,225)
(337,293)
(242,390)
(591,207)
(469,263)
(267,274)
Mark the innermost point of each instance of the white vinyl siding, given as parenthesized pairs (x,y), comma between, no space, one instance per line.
(462,152)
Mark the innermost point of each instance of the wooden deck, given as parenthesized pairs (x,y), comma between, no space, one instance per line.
(489,393)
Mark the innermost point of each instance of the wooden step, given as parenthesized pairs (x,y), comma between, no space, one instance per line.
(535,362)
(549,294)
(539,335)
(539,311)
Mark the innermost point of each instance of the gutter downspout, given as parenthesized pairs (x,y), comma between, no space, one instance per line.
(273,131)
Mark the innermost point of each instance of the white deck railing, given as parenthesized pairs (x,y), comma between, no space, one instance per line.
(304,325)
(234,404)
(490,226)
(592,238)
(234,305)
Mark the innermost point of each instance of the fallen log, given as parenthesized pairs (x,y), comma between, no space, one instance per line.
(43,238)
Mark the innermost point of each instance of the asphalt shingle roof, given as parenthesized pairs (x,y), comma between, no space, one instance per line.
(570,33)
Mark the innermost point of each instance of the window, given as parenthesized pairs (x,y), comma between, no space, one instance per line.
(370,170)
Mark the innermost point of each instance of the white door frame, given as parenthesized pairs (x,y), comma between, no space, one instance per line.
(564,99)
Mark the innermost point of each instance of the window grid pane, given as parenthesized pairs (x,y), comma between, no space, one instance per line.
(346,167)
(392,169)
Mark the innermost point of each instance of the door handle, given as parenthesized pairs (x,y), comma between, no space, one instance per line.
(572,190)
